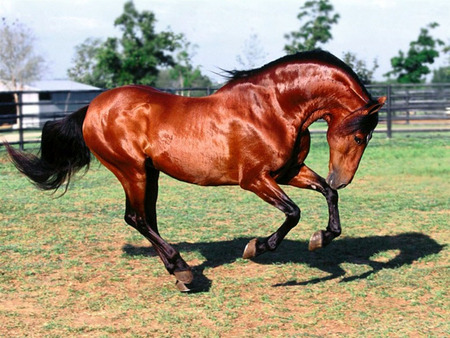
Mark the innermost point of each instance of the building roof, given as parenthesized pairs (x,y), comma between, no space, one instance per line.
(50,85)
(53,85)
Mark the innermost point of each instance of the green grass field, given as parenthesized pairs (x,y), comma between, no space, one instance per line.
(70,266)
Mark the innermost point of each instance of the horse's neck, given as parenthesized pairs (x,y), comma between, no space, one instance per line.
(303,102)
(309,93)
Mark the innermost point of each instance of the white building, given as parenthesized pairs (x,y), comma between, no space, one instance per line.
(43,101)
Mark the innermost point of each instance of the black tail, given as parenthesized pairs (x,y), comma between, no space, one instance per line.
(63,152)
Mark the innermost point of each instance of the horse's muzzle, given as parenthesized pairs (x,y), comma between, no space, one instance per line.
(335,182)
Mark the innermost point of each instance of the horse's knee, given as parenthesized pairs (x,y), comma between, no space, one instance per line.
(294,214)
(332,196)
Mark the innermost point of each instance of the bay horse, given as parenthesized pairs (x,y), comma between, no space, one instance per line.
(252,132)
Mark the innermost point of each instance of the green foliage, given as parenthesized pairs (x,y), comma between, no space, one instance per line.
(183,72)
(136,57)
(411,67)
(84,69)
(360,67)
(441,75)
(316,30)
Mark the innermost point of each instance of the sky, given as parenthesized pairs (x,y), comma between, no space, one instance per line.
(372,29)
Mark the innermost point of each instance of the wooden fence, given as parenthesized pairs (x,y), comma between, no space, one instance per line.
(409,109)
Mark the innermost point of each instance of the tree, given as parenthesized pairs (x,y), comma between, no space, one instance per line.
(184,72)
(137,57)
(359,67)
(19,63)
(134,58)
(253,53)
(441,75)
(85,63)
(412,66)
(316,30)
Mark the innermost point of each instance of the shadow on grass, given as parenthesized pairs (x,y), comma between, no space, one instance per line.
(409,247)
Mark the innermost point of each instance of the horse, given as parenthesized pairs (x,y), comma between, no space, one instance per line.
(252,132)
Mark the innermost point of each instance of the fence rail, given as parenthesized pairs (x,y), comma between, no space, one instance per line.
(409,108)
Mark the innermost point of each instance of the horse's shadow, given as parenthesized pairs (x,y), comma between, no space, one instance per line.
(409,247)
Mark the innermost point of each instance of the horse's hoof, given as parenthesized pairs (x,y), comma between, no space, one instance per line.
(250,249)
(316,241)
(185,276)
(182,287)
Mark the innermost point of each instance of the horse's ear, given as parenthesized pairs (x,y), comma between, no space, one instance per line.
(382,99)
(377,105)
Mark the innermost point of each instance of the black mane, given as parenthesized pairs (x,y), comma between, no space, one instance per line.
(316,55)
(363,123)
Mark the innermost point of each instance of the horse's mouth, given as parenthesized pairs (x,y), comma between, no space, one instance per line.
(334,182)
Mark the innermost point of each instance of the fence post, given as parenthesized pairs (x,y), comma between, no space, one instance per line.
(389,112)
(20,109)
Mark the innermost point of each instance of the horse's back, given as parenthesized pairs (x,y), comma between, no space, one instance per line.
(212,140)
(183,136)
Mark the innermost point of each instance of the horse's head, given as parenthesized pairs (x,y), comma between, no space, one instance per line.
(347,138)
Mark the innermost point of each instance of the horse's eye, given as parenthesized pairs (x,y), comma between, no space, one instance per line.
(358,140)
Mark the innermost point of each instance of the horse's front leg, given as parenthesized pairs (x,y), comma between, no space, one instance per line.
(308,179)
(266,188)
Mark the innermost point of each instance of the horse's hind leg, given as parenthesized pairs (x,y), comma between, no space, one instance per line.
(141,214)
(151,194)
(171,258)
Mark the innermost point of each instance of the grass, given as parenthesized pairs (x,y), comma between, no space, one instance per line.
(71,267)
